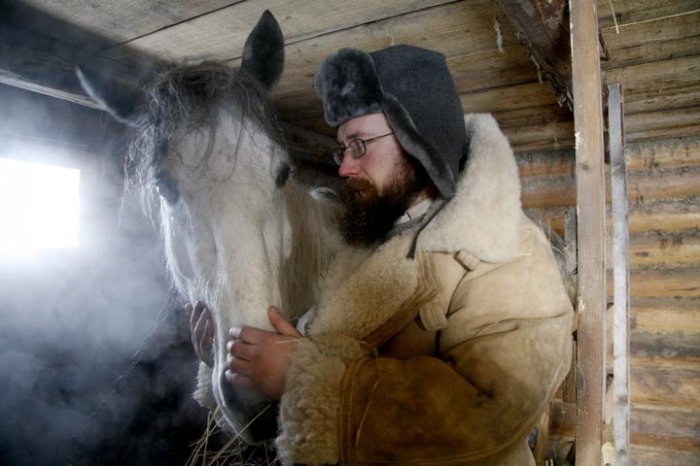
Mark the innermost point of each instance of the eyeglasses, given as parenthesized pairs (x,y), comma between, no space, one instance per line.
(356,148)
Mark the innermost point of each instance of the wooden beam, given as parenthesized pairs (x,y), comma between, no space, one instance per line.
(621,276)
(590,204)
(39,53)
(540,26)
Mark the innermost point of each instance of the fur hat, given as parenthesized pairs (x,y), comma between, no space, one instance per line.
(413,87)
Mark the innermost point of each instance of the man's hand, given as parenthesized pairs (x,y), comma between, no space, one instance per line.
(201,331)
(259,359)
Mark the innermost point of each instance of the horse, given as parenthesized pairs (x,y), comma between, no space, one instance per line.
(239,232)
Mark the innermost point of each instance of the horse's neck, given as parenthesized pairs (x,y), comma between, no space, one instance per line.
(314,239)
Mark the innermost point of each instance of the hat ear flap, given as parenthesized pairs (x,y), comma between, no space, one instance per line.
(263,53)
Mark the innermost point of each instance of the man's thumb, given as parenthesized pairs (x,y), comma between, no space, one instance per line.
(280,323)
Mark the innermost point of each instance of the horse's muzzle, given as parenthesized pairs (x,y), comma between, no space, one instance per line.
(261,417)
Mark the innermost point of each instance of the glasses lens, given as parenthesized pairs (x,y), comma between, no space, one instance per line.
(338,155)
(356,148)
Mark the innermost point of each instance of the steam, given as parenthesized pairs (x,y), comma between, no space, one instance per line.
(96,366)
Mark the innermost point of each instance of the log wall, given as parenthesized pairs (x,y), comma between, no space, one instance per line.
(664,197)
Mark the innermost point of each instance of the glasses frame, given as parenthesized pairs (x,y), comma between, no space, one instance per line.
(356,147)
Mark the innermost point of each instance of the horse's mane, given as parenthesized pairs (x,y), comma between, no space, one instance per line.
(315,225)
(191,95)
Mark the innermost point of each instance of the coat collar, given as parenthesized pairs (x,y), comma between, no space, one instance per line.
(482,219)
(484,215)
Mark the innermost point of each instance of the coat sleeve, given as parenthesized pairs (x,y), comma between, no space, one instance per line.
(505,349)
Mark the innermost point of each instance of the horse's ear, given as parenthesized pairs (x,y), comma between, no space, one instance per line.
(121,99)
(263,54)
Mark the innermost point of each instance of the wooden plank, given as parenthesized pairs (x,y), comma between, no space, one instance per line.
(640,156)
(664,124)
(486,69)
(663,154)
(631,11)
(223,33)
(552,135)
(548,191)
(538,163)
(666,316)
(676,73)
(74,96)
(590,189)
(666,428)
(666,386)
(453,29)
(559,190)
(668,283)
(671,351)
(648,456)
(654,100)
(621,275)
(508,98)
(40,55)
(653,40)
(665,249)
(668,216)
(123,21)
(666,184)
(664,216)
(540,26)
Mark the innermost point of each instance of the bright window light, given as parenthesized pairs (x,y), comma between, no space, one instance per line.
(39,207)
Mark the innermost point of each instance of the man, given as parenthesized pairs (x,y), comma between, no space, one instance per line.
(441,337)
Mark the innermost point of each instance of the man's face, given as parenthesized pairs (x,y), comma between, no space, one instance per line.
(379,186)
(384,155)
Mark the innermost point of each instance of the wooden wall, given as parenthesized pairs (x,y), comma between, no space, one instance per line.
(664,196)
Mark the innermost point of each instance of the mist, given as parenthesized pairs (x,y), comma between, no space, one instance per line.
(96,362)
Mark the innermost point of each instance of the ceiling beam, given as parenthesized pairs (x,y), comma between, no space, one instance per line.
(40,53)
(541,26)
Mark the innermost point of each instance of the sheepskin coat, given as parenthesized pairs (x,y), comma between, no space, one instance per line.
(446,358)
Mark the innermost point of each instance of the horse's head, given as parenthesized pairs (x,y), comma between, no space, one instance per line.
(207,142)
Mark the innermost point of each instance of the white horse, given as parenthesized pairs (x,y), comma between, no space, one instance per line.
(238,234)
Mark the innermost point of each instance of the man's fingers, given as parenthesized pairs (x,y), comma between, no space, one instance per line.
(280,322)
(242,350)
(249,335)
(239,366)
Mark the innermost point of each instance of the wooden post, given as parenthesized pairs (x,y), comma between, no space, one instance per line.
(590,204)
(621,276)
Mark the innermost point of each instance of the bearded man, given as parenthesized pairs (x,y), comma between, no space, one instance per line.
(440,337)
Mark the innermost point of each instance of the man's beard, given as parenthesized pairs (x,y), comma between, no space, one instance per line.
(370,215)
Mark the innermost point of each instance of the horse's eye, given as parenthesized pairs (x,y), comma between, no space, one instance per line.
(167,189)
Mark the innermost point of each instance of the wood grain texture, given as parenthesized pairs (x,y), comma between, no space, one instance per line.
(590,195)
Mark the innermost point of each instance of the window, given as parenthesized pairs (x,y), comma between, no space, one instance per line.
(39,207)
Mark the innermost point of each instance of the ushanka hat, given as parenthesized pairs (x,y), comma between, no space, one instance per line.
(413,87)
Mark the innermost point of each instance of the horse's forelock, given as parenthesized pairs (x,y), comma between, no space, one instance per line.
(191,95)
